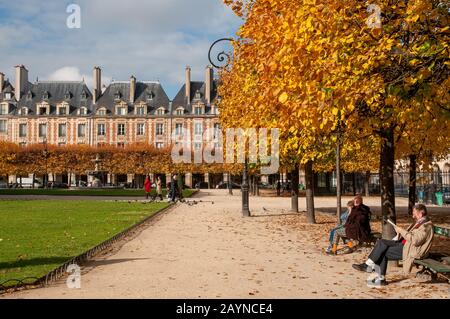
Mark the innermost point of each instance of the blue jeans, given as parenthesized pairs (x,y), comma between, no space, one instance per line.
(332,234)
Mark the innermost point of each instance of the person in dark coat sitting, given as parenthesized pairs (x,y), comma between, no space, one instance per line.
(357,226)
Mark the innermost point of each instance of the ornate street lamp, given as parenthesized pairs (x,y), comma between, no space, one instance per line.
(223,59)
(45,153)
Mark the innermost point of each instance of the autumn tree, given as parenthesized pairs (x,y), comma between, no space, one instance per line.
(311,67)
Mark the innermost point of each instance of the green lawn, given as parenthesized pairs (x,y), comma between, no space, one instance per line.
(37,236)
(83,192)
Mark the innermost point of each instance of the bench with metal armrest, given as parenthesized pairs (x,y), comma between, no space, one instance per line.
(438,264)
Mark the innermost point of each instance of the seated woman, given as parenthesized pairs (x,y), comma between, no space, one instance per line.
(334,237)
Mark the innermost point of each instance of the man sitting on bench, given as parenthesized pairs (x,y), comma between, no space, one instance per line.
(409,244)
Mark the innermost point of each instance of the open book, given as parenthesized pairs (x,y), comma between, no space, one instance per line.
(393,224)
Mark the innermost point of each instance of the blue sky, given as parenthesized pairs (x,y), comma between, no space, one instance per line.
(151,39)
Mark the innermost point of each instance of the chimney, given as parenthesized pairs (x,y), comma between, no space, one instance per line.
(97,84)
(2,82)
(132,89)
(21,81)
(208,83)
(188,84)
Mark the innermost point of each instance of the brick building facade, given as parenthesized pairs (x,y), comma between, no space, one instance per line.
(124,112)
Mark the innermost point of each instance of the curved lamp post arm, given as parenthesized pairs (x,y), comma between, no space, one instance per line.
(221,56)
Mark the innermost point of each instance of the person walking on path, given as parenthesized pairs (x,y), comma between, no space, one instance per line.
(147,186)
(158,188)
(173,188)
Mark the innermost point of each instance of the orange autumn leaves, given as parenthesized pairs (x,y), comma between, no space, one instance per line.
(79,159)
(309,67)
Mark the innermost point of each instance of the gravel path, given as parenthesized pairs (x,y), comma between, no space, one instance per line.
(209,251)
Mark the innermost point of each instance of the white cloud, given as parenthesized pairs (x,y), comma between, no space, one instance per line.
(71,73)
(151,39)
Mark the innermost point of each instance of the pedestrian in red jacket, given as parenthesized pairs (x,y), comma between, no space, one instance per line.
(147,186)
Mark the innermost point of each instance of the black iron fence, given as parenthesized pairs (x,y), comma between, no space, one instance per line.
(430,187)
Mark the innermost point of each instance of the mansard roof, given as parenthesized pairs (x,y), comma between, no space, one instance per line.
(80,96)
(143,92)
(7,88)
(196,86)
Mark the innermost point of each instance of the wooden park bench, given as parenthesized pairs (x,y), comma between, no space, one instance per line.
(433,265)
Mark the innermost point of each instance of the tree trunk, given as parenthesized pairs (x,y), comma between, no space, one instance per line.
(387,183)
(310,216)
(69,179)
(32,181)
(294,191)
(366,184)
(412,183)
(338,181)
(354,183)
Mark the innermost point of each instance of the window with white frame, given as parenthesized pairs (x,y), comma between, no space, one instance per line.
(180,111)
(159,128)
(178,128)
(160,111)
(3,126)
(216,130)
(101,129)
(198,129)
(4,109)
(23,111)
(140,129)
(140,110)
(8,96)
(120,129)
(81,130)
(198,110)
(121,110)
(43,130)
(62,110)
(197,146)
(82,111)
(22,130)
(42,110)
(62,130)
(101,112)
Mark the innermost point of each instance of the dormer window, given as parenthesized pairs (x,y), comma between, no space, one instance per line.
(198,110)
(84,95)
(8,96)
(23,111)
(4,109)
(45,96)
(67,95)
(117,95)
(82,111)
(150,96)
(160,111)
(180,111)
(101,112)
(140,110)
(43,109)
(29,96)
(121,110)
(198,95)
(62,110)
